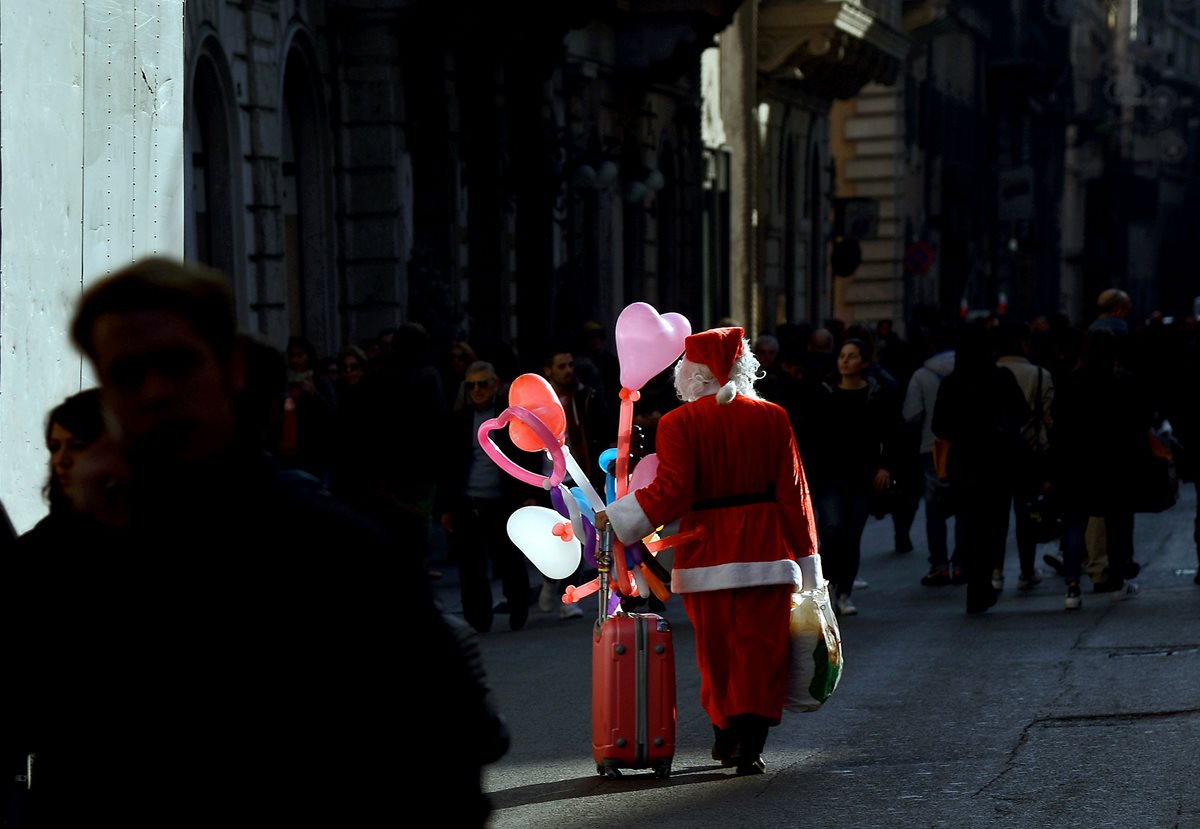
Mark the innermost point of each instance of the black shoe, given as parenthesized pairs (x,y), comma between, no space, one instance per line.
(1132,569)
(980,604)
(725,748)
(720,756)
(904,545)
(1107,586)
(755,766)
(957,575)
(1056,563)
(517,619)
(936,577)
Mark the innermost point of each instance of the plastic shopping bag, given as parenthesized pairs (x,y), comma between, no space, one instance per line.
(815,660)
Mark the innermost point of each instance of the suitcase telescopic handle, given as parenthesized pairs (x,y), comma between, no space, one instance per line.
(603,565)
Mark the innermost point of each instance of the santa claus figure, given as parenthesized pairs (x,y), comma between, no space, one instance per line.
(727,462)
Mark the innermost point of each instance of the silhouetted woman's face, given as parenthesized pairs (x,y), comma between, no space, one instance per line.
(66,450)
(850,361)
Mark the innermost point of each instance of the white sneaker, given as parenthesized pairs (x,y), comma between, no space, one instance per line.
(570,611)
(845,607)
(549,597)
(997,580)
(859,584)
(1129,588)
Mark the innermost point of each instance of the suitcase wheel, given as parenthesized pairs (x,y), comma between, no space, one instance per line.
(608,770)
(662,770)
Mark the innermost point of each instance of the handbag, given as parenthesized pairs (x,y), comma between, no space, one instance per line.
(1039,508)
(1156,483)
(1043,517)
(1033,457)
(941,458)
(886,502)
(815,653)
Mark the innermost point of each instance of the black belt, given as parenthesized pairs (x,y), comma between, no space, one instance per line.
(764,497)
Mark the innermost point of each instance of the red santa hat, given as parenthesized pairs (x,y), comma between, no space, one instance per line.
(717,349)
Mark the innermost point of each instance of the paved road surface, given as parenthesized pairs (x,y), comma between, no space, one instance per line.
(1027,716)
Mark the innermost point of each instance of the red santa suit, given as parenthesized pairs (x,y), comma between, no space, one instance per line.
(734,470)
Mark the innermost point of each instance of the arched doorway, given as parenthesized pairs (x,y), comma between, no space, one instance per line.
(214,206)
(311,287)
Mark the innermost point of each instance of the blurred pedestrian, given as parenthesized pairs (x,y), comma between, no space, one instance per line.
(589,431)
(945,564)
(235,589)
(1101,423)
(1032,472)
(475,500)
(306,432)
(857,429)
(86,487)
(980,410)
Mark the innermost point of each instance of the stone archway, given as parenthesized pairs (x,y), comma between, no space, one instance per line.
(211,174)
(311,288)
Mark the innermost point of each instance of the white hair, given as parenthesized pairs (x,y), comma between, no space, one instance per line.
(694,380)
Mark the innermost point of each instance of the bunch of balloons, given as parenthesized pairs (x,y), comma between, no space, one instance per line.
(556,539)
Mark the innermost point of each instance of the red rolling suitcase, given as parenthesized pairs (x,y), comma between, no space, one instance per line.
(633,691)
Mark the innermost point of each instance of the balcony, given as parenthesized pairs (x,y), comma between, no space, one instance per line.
(837,46)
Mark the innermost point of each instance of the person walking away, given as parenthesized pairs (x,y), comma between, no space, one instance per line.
(945,566)
(1032,474)
(728,463)
(980,410)
(1101,421)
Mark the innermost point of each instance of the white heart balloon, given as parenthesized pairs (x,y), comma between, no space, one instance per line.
(532,530)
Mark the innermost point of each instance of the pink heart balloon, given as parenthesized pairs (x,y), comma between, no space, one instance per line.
(648,342)
(644,472)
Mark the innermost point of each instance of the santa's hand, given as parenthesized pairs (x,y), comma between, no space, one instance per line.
(601,521)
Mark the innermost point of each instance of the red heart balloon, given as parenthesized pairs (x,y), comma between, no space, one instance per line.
(534,393)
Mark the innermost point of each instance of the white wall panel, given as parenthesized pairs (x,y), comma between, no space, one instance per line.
(91,118)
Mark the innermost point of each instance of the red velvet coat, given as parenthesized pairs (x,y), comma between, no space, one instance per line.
(734,470)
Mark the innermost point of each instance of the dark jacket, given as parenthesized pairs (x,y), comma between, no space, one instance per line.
(246,655)
(1101,425)
(459,451)
(981,412)
(850,441)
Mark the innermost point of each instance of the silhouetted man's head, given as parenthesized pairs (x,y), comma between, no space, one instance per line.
(1114,302)
(161,335)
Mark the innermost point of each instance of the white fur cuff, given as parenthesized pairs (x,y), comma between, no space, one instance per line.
(628,520)
(810,568)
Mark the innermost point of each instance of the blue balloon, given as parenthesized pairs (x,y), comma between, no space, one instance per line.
(585,509)
(608,460)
